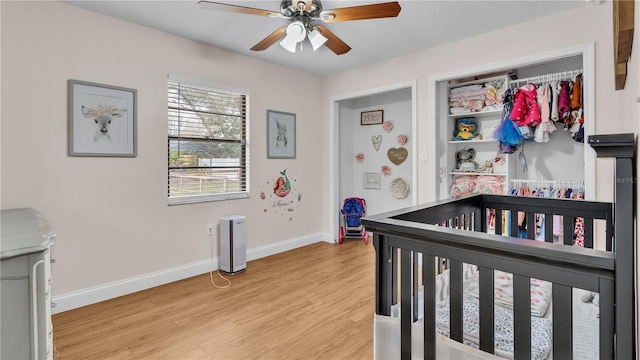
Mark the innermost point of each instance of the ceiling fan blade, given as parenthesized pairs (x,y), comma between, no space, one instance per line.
(239,9)
(270,40)
(363,12)
(333,42)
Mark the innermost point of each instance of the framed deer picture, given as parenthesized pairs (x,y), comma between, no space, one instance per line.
(281,135)
(102,120)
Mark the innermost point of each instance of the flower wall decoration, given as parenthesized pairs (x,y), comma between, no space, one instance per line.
(387,126)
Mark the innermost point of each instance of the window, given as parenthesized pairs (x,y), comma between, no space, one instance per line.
(207,143)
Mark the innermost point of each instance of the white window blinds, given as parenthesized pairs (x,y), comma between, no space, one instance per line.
(207,144)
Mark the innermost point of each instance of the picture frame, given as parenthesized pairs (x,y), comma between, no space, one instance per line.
(372,117)
(102,120)
(372,180)
(281,135)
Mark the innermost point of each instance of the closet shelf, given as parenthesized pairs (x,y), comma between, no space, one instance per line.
(474,141)
(475,173)
(486,113)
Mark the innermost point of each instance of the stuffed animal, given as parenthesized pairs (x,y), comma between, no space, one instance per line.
(466,129)
(464,160)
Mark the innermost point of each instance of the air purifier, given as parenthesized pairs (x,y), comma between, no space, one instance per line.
(233,245)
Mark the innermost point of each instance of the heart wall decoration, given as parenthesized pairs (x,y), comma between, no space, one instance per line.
(397,155)
(376,140)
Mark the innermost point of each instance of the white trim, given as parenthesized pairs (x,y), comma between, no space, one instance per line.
(334,173)
(216,86)
(181,200)
(588,69)
(134,284)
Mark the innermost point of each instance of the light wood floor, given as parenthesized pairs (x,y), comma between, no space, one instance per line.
(316,302)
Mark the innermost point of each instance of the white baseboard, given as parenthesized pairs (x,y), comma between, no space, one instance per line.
(92,295)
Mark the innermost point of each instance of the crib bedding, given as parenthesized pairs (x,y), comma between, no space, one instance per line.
(541,328)
(503,292)
(541,323)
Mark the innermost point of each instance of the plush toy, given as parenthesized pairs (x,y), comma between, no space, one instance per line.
(466,129)
(464,160)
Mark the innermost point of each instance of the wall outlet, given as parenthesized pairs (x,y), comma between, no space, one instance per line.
(210,229)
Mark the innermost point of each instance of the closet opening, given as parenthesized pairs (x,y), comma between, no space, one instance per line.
(478,161)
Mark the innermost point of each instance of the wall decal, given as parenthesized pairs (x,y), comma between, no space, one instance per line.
(283,186)
(359,157)
(276,194)
(386,170)
(376,140)
(397,155)
(399,188)
(402,139)
(387,126)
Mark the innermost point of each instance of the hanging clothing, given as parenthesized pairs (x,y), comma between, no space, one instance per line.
(525,106)
(555,92)
(546,127)
(564,102)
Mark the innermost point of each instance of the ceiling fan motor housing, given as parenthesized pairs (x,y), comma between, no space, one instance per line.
(291,8)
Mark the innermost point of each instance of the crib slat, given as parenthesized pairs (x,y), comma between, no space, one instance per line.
(486,310)
(588,233)
(513,224)
(395,252)
(498,222)
(521,317)
(607,319)
(405,304)
(455,297)
(531,226)
(415,286)
(567,232)
(562,322)
(429,303)
(548,228)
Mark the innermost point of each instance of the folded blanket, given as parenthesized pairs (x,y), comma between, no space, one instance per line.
(465,88)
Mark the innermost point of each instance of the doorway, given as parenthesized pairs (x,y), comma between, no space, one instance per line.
(373,160)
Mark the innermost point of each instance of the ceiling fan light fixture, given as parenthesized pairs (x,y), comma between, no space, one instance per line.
(316,39)
(288,45)
(295,33)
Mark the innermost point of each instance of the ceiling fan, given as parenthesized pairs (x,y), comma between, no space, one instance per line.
(303,14)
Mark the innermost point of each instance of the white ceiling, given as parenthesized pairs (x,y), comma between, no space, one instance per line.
(420,25)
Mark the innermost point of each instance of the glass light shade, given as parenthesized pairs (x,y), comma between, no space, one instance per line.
(295,34)
(316,39)
(288,44)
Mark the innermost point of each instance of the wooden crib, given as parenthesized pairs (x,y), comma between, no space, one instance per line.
(412,243)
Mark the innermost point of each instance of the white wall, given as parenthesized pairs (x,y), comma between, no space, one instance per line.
(110,214)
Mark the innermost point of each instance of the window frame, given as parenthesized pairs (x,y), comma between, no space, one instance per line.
(244,142)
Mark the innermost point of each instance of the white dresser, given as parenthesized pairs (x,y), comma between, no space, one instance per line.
(26,330)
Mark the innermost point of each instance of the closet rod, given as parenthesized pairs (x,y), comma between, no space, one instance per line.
(562,75)
(554,183)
